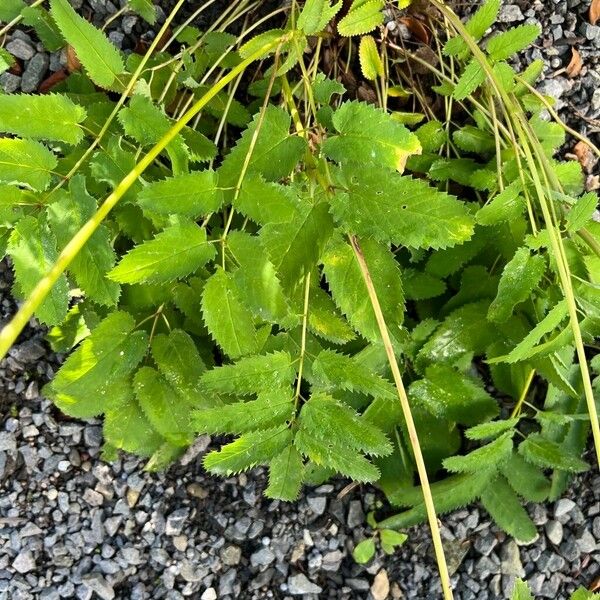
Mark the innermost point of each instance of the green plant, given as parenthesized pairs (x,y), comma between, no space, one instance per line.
(315,287)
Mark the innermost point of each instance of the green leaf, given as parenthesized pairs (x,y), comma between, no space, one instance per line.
(350,464)
(338,371)
(32,247)
(400,210)
(26,162)
(504,45)
(99,57)
(144,8)
(472,77)
(432,136)
(192,194)
(176,252)
(521,591)
(295,247)
(485,431)
(256,278)
(11,9)
(526,479)
(100,363)
(316,14)
(229,322)
(249,450)
(486,457)
(324,88)
(67,216)
(505,508)
(368,135)
(27,116)
(508,205)
(453,396)
(391,539)
(362,17)
(41,21)
(272,408)
(581,212)
(274,151)
(266,202)
(126,427)
(364,551)
(521,275)
(334,423)
(163,407)
(421,286)
(251,375)
(325,320)
(370,61)
(550,455)
(476,26)
(350,291)
(472,139)
(286,472)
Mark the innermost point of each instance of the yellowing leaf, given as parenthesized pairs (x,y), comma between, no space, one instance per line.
(370,61)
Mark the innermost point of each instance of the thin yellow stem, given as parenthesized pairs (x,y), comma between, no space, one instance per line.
(517,409)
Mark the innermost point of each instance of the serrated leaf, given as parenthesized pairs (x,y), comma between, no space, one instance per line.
(472,139)
(286,473)
(370,61)
(226,318)
(362,17)
(349,290)
(191,194)
(451,395)
(334,423)
(45,28)
(487,457)
(144,8)
(256,278)
(274,154)
(476,26)
(66,216)
(350,464)
(249,450)
(46,117)
(521,591)
(324,88)
(521,275)
(32,248)
(266,202)
(581,212)
(504,45)
(163,407)
(316,14)
(11,9)
(99,57)
(175,252)
(505,508)
(369,135)
(550,455)
(508,205)
(400,210)
(272,408)
(432,136)
(526,479)
(26,162)
(325,320)
(295,247)
(421,286)
(103,360)
(470,80)
(485,431)
(364,551)
(251,375)
(338,371)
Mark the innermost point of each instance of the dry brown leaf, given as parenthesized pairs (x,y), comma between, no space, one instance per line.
(574,67)
(51,81)
(587,159)
(594,11)
(416,27)
(595,585)
(73,63)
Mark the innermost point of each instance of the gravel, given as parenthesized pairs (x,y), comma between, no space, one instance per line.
(73,526)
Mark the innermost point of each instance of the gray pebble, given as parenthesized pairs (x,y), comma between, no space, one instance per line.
(554,531)
(9,82)
(20,49)
(317,504)
(510,13)
(98,584)
(300,584)
(24,562)
(34,73)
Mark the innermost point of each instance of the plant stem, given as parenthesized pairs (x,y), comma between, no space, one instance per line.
(18,19)
(410,424)
(10,332)
(303,339)
(524,392)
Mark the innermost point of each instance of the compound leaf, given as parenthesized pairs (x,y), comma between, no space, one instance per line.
(486,457)
(550,455)
(26,162)
(286,473)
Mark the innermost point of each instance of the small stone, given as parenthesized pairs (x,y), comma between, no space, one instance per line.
(93,498)
(8,441)
(34,73)
(380,589)
(356,515)
(262,558)
(99,585)
(300,584)
(197,491)
(176,520)
(20,49)
(132,497)
(511,560)
(112,525)
(332,561)
(92,436)
(209,594)
(231,555)
(510,13)
(317,504)
(9,82)
(586,542)
(484,544)
(554,532)
(24,562)
(30,530)
(180,542)
(563,507)
(596,100)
